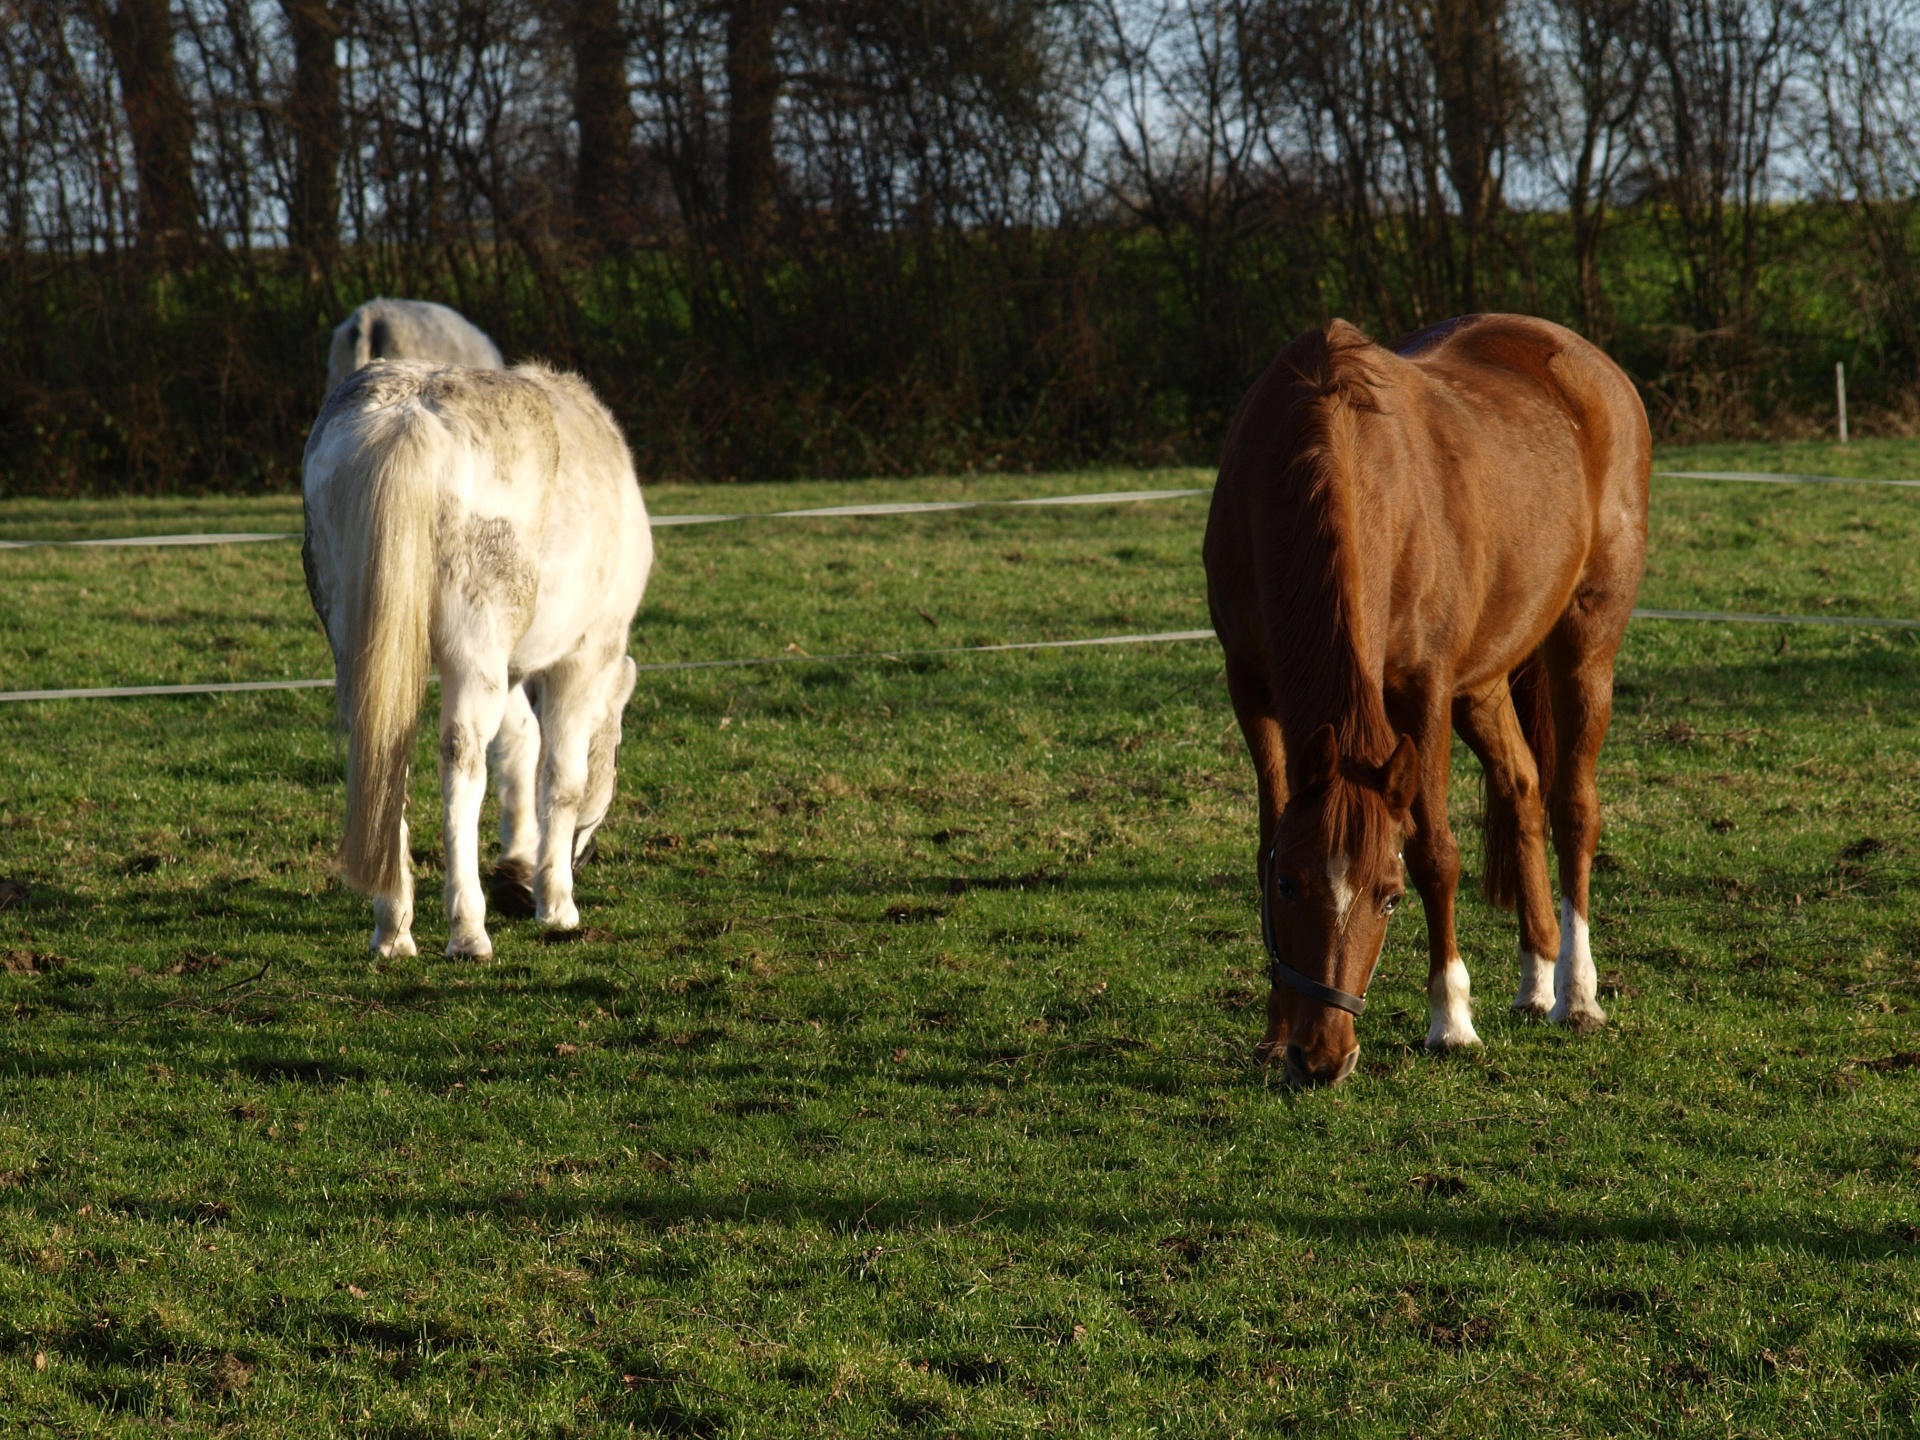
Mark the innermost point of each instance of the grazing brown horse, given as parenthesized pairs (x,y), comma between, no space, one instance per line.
(1447,533)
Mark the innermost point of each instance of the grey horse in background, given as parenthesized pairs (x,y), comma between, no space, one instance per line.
(386,329)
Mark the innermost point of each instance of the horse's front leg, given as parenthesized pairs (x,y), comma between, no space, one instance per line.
(472,702)
(1433,860)
(1253,707)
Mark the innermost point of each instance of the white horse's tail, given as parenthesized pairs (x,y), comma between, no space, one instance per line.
(387,592)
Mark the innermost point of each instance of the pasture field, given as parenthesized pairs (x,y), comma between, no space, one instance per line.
(900,1083)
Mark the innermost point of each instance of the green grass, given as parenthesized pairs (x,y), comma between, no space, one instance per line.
(901,1081)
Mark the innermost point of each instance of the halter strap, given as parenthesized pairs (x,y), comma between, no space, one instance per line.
(1281,973)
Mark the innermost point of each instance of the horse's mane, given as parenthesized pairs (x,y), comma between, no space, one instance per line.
(1320,654)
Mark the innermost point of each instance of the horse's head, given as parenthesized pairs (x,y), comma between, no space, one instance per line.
(1330,881)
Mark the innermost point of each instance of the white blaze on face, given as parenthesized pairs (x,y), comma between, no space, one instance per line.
(1337,866)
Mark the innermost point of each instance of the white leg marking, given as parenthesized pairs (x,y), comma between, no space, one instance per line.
(1535,996)
(1573,976)
(1448,993)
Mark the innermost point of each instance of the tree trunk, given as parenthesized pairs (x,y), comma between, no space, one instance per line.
(313,212)
(603,113)
(1470,76)
(753,85)
(139,34)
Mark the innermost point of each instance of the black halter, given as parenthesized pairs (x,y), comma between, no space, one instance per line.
(1281,973)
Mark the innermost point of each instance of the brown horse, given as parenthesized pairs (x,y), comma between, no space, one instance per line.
(1449,532)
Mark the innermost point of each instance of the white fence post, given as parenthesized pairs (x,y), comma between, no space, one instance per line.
(1840,395)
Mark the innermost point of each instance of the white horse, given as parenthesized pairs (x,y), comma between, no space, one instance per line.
(386,329)
(488,522)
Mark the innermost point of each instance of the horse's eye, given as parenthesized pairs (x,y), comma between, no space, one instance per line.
(1286,887)
(1390,904)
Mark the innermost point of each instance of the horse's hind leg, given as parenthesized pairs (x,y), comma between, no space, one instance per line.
(1516,835)
(573,701)
(472,703)
(515,755)
(1580,671)
(393,914)
(602,764)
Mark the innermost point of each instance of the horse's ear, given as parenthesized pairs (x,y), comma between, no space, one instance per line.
(1320,759)
(1402,779)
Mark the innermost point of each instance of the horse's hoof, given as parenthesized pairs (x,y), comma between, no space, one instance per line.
(1582,1020)
(561,917)
(1533,1009)
(510,889)
(470,947)
(1446,1041)
(395,947)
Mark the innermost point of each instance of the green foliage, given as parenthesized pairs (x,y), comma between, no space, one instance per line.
(900,1082)
(1001,350)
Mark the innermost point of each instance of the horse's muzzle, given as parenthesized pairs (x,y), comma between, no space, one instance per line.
(1328,1072)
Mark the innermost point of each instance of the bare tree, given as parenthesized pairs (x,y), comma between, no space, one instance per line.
(753,87)
(1592,62)
(1723,72)
(1865,131)
(814,235)
(139,34)
(678,49)
(1171,89)
(314,116)
(1314,93)
(1477,91)
(1353,86)
(603,122)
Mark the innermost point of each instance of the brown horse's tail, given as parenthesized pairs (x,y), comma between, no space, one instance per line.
(1500,830)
